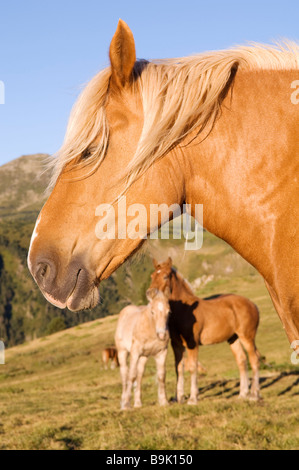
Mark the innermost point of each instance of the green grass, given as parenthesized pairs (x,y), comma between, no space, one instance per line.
(55,394)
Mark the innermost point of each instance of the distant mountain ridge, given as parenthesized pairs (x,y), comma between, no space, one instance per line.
(22,186)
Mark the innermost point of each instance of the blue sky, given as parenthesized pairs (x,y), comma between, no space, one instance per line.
(49,49)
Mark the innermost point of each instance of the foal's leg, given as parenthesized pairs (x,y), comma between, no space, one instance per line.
(178,350)
(161,374)
(254,360)
(122,357)
(241,360)
(140,372)
(134,357)
(105,360)
(112,365)
(192,364)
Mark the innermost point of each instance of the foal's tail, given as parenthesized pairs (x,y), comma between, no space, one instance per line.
(261,358)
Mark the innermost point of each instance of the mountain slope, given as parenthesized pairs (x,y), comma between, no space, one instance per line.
(22,185)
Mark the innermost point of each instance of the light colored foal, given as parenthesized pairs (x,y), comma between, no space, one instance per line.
(143,332)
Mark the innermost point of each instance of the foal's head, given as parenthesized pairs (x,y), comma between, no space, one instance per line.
(159,310)
(162,276)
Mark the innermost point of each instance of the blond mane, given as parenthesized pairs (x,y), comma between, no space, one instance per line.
(87,123)
(178,95)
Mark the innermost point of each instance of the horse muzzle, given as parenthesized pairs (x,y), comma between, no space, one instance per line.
(72,287)
(162,334)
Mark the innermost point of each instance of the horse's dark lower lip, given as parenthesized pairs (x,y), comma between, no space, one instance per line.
(76,302)
(84,294)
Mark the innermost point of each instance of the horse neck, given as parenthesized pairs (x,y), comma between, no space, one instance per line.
(234,170)
(180,289)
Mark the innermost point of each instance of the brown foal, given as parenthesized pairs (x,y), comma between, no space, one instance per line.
(110,354)
(194,321)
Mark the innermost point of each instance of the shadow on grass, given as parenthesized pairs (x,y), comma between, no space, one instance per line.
(69,443)
(230,388)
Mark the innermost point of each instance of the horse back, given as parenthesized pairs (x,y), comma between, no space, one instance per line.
(213,320)
(227,315)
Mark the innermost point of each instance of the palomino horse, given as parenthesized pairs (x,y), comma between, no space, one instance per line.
(195,321)
(218,129)
(143,332)
(110,354)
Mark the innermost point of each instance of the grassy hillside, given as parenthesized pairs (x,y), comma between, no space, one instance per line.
(55,394)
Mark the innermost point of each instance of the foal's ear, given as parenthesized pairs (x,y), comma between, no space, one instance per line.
(151,293)
(155,263)
(122,54)
(169,262)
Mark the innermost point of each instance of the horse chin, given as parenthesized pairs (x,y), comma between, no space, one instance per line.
(76,301)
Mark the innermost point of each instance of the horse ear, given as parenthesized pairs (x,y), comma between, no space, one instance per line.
(122,54)
(169,262)
(155,263)
(151,293)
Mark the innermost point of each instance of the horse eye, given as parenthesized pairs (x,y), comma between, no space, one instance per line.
(165,278)
(86,154)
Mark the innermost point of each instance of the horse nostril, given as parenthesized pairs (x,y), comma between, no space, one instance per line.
(44,272)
